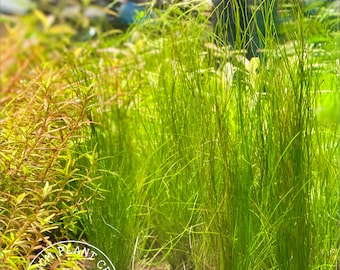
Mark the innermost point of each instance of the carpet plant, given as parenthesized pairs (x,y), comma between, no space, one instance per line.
(204,159)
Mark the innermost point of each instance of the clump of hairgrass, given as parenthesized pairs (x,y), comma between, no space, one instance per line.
(42,184)
(208,168)
(125,214)
(116,221)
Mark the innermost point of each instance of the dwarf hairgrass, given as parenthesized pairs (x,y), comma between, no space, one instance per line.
(207,167)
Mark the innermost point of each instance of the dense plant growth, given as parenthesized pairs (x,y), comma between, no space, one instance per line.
(162,149)
(42,118)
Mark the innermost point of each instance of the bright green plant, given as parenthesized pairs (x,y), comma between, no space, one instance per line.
(213,168)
